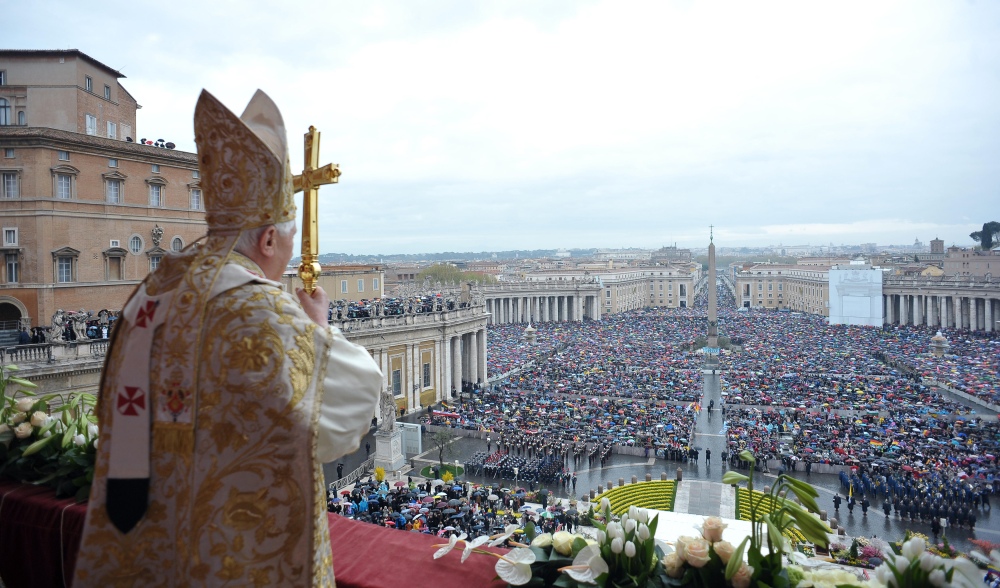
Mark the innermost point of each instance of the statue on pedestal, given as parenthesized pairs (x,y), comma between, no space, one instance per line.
(55,332)
(388,412)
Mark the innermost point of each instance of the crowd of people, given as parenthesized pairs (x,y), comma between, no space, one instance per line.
(441,508)
(796,390)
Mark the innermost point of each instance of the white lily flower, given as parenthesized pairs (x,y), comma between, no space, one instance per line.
(470,545)
(515,567)
(452,542)
(587,565)
(507,532)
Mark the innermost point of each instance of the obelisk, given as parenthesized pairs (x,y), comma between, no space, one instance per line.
(712,349)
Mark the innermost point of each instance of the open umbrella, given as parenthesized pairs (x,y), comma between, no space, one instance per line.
(400,483)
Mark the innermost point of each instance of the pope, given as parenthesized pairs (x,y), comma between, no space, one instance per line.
(223,394)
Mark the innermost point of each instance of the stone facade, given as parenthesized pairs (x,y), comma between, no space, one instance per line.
(962,302)
(424,357)
(345,282)
(533,302)
(802,288)
(85,217)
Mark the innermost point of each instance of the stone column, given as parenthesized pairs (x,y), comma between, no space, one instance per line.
(958,311)
(437,377)
(473,358)
(904,303)
(561,301)
(481,340)
(973,313)
(942,311)
(384,364)
(445,359)
(921,309)
(408,379)
(988,314)
(456,362)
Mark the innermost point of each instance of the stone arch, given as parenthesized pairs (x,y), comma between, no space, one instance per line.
(12,309)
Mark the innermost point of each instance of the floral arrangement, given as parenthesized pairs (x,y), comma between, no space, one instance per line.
(771,521)
(707,560)
(40,444)
(624,554)
(379,474)
(657,495)
(823,578)
(915,566)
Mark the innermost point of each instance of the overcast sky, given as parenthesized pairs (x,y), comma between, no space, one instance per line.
(463,125)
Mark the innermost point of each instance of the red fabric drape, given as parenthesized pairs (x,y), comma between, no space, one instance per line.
(40,535)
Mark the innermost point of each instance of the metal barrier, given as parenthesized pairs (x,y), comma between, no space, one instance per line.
(368,465)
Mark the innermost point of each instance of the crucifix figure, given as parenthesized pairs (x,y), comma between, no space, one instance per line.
(711,229)
(308,182)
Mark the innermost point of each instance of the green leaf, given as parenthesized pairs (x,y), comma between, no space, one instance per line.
(578,544)
(736,559)
(541,555)
(21,382)
(732,477)
(773,532)
(38,446)
(529,531)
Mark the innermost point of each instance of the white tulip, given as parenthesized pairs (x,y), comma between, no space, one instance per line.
(601,537)
(92,430)
(643,532)
(643,515)
(633,512)
(79,440)
(884,575)
(617,546)
(629,549)
(936,578)
(928,561)
(913,548)
(629,526)
(605,504)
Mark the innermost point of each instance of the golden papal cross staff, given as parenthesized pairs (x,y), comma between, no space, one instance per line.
(308,182)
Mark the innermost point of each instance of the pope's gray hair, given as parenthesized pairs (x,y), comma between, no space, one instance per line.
(247,243)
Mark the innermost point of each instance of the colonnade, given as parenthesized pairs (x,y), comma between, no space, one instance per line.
(542,308)
(941,310)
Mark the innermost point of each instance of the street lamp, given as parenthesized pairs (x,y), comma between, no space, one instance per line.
(515,478)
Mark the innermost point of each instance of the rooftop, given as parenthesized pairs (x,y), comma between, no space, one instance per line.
(59,53)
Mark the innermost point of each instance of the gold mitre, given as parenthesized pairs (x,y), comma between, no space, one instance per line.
(245,173)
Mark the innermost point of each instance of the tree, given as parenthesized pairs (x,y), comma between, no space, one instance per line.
(442,442)
(444,273)
(985,236)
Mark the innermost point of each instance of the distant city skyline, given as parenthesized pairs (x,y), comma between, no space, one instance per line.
(483,126)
